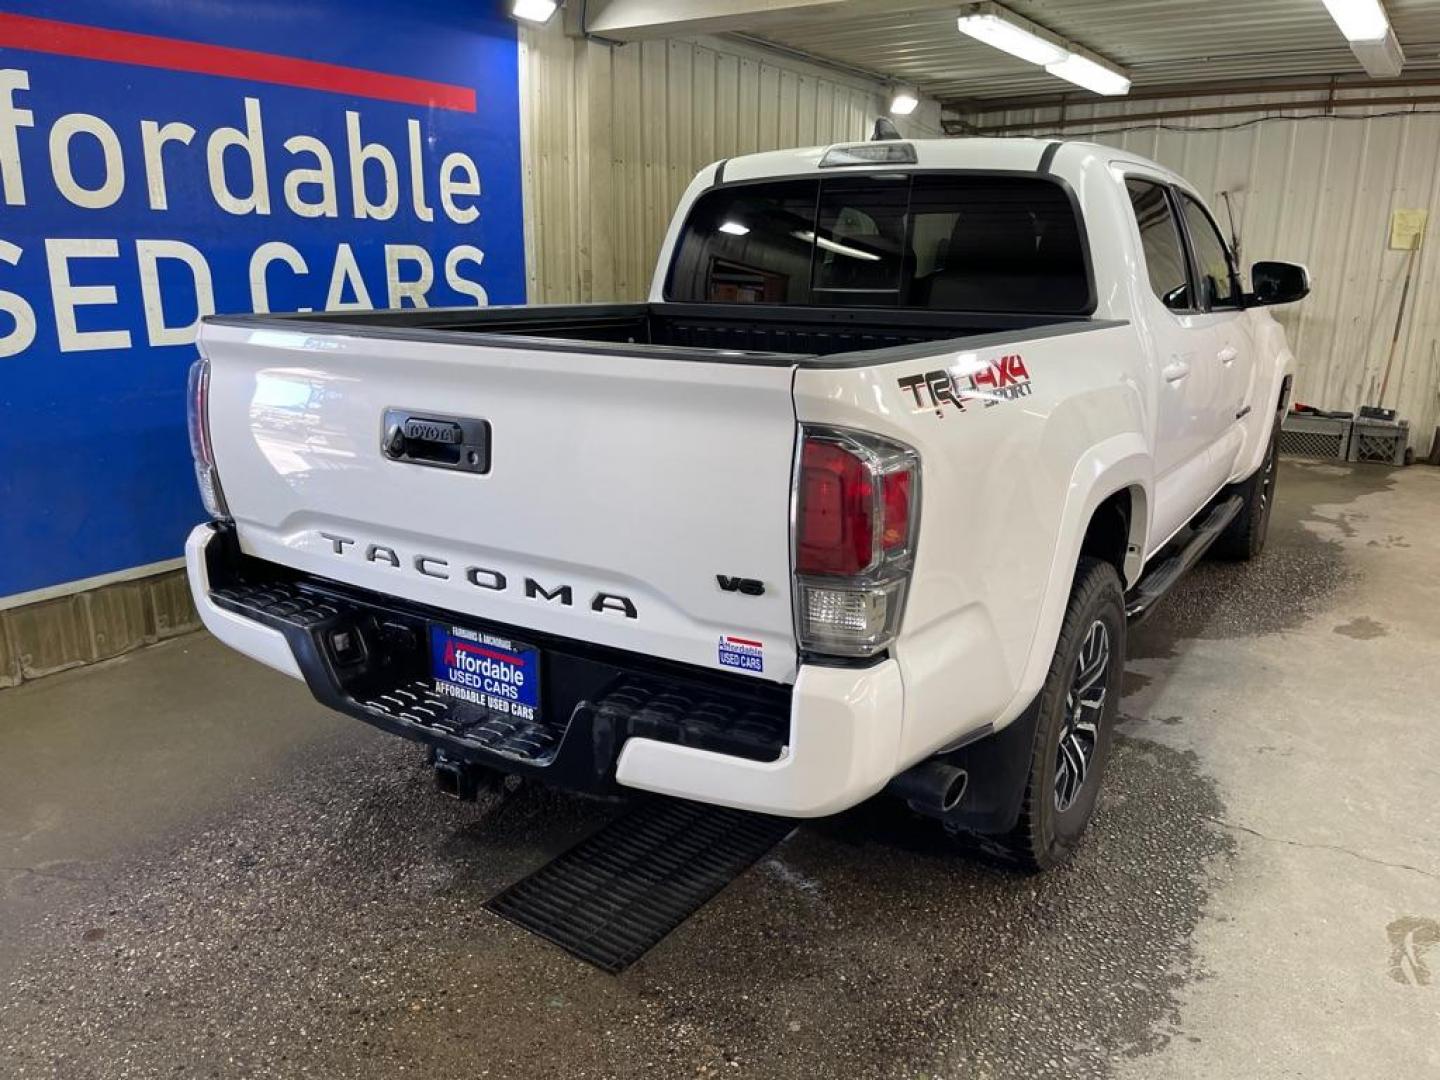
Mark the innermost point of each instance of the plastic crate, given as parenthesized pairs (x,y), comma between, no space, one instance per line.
(1314,437)
(1382,442)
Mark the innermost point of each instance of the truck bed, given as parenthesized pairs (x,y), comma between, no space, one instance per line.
(756,334)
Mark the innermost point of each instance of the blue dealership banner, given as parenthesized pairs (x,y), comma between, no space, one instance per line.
(162,161)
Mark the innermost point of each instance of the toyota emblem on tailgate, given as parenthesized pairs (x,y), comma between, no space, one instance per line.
(440,431)
(461,443)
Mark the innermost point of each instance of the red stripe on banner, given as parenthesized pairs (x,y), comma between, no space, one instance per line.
(147,50)
(489,652)
(742,641)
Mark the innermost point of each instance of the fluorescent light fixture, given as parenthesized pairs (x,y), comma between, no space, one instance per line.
(1359,20)
(1381,59)
(1009,33)
(904,101)
(536,11)
(1365,26)
(1001,28)
(1086,73)
(734,228)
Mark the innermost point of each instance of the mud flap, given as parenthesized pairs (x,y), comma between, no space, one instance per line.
(998,766)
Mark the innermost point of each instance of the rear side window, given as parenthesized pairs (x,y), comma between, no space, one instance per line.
(1160,243)
(1212,258)
(936,240)
(997,244)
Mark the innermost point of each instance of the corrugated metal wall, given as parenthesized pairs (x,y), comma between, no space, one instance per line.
(612,136)
(1317,190)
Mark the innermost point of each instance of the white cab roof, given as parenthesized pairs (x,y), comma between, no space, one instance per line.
(1024,155)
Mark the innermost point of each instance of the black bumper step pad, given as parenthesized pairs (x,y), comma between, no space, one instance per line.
(418,703)
(689,716)
(612,897)
(282,601)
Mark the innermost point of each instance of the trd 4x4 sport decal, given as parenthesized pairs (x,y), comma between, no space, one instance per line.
(989,383)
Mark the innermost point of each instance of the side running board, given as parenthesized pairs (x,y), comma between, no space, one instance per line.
(1160,578)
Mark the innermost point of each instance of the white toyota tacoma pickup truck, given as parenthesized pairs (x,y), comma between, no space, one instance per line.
(860,500)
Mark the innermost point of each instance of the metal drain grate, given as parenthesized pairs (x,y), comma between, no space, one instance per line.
(612,897)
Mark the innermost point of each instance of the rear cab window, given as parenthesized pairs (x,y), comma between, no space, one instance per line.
(946,241)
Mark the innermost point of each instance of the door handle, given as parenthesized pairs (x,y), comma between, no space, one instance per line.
(1228,354)
(1175,370)
(443,442)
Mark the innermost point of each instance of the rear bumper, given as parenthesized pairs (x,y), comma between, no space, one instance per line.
(843,737)
(816,748)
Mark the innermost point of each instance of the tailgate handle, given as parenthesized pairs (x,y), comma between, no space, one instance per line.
(461,443)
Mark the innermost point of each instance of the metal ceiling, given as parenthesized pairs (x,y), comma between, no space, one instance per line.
(1162,43)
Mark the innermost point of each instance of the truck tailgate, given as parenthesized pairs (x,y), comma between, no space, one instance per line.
(619,488)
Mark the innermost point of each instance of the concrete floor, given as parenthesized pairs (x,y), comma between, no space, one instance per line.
(203,873)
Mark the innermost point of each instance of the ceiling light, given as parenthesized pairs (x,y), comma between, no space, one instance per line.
(535,11)
(1371,38)
(1359,20)
(1000,27)
(1092,76)
(904,101)
(1008,32)
(734,228)
(1383,59)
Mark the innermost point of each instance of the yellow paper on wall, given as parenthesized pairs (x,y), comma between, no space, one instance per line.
(1406,228)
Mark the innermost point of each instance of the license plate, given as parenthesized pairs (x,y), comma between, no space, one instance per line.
(489,672)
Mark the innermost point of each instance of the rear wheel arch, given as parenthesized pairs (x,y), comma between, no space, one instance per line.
(1121,463)
(1116,531)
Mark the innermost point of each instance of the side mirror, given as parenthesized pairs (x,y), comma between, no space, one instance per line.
(1279,282)
(1177,299)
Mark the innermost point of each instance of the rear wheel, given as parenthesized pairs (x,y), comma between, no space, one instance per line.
(1077,709)
(1244,538)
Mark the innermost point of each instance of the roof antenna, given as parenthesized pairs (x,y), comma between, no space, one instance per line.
(885,129)
(1234,232)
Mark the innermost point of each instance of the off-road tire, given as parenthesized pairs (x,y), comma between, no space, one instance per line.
(1045,835)
(1244,537)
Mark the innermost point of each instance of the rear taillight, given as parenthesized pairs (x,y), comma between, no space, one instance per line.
(198,407)
(856,509)
(835,534)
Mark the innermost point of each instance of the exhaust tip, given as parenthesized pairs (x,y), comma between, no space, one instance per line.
(932,787)
(953,793)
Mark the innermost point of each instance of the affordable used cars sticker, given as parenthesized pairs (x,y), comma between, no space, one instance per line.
(742,653)
(971,380)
